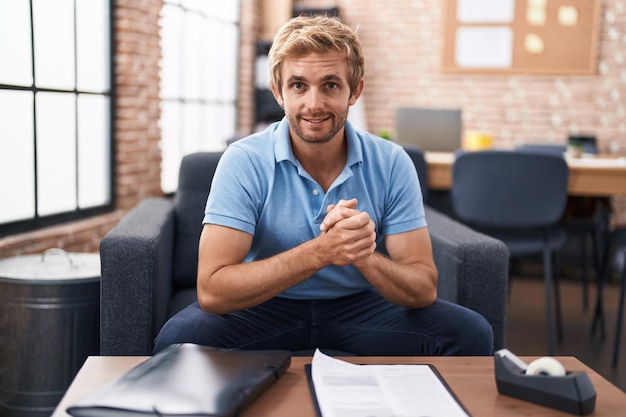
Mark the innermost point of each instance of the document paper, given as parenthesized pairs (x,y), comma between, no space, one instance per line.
(344,389)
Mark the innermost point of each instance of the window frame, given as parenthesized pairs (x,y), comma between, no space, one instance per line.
(38,221)
(184,104)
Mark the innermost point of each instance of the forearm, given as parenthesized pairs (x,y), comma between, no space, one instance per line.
(412,285)
(239,286)
(226,283)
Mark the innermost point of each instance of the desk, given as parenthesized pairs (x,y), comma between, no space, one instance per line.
(588,177)
(470,378)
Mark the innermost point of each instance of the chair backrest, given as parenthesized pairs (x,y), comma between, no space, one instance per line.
(194,183)
(549,148)
(417,156)
(509,189)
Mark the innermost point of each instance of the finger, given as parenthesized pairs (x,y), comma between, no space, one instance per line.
(358,248)
(352,203)
(355,221)
(337,212)
(336,215)
(364,254)
(348,203)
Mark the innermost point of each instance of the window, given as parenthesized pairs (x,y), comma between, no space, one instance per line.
(199,79)
(55,111)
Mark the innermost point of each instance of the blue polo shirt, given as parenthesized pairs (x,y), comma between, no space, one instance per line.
(260,188)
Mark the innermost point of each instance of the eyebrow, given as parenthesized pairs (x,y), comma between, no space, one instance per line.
(297,78)
(332,78)
(294,78)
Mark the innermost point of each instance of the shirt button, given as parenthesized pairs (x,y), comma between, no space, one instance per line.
(315,192)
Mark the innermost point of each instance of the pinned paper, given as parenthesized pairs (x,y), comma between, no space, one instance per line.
(568,16)
(484,47)
(485,11)
(533,44)
(536,16)
(536,12)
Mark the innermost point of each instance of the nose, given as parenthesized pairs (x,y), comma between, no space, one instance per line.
(315,101)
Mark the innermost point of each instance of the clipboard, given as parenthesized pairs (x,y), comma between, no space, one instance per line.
(316,406)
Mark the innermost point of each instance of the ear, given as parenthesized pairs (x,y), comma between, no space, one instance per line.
(277,95)
(356,93)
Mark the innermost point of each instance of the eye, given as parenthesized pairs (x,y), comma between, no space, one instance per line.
(298,85)
(332,86)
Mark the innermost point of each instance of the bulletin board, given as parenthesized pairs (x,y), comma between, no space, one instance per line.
(521,36)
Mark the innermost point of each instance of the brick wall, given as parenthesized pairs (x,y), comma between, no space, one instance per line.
(402,44)
(137,133)
(250,26)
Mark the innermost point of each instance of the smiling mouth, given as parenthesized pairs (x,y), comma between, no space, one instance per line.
(316,120)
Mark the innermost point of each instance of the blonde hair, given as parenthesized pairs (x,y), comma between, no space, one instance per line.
(302,35)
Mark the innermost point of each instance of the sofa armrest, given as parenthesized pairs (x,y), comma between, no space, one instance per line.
(136,278)
(473,270)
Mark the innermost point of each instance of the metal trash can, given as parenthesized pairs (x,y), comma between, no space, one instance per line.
(49,324)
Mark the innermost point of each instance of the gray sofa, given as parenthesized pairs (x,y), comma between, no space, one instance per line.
(149,261)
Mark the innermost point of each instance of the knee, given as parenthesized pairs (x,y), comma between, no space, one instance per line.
(183,327)
(477,339)
(169,334)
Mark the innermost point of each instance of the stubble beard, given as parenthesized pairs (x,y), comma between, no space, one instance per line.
(338,122)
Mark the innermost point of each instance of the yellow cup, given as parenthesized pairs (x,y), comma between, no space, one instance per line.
(477,141)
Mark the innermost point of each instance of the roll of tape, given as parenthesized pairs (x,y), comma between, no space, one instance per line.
(545,366)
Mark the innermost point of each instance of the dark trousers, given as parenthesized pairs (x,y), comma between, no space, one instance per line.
(364,324)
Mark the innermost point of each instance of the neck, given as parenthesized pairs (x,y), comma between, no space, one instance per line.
(324,162)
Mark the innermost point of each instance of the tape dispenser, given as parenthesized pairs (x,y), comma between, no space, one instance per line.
(545,382)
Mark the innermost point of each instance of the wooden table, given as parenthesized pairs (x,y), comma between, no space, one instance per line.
(470,378)
(601,176)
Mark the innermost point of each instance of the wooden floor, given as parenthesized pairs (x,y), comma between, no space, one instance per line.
(527,335)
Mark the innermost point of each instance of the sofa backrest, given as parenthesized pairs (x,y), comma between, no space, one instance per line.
(194,184)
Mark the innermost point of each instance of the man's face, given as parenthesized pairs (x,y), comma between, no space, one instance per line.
(316,95)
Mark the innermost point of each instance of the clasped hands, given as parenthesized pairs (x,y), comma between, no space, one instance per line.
(349,234)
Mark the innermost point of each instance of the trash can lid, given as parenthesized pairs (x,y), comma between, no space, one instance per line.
(54,265)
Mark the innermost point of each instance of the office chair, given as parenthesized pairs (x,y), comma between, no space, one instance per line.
(550,148)
(518,198)
(585,217)
(615,239)
(417,156)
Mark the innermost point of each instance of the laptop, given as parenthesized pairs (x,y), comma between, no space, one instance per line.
(434,130)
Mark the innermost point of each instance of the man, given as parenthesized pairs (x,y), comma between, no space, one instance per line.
(314,234)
